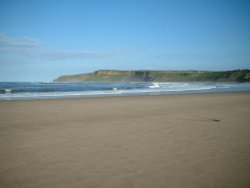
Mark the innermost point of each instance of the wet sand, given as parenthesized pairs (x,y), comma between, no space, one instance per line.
(192,140)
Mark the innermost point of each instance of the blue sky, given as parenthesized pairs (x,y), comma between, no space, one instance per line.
(41,40)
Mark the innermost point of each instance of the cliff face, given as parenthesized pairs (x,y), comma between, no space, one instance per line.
(159,76)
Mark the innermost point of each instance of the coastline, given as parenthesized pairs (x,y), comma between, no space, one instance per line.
(173,140)
(33,91)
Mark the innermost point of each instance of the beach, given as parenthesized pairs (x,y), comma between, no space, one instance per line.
(185,140)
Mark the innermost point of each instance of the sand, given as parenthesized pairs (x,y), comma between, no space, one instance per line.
(191,140)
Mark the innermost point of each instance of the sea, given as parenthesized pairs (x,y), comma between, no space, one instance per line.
(41,90)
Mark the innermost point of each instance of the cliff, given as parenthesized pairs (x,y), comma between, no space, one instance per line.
(159,76)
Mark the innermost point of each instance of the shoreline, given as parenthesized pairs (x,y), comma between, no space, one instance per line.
(111,96)
(183,140)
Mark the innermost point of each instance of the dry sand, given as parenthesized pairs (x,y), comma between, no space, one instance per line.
(198,140)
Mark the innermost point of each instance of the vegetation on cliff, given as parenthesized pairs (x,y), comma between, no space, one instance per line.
(159,76)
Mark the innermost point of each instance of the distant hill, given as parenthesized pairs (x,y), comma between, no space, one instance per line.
(159,76)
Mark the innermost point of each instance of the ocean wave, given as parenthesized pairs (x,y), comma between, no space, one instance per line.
(14,91)
(155,85)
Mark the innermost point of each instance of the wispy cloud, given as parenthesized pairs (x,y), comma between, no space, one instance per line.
(197,56)
(65,54)
(167,55)
(30,47)
(9,44)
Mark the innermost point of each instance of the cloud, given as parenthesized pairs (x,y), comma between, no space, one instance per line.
(24,44)
(167,55)
(196,56)
(30,48)
(64,54)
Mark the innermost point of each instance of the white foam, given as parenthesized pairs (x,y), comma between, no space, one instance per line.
(180,86)
(155,85)
(7,90)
